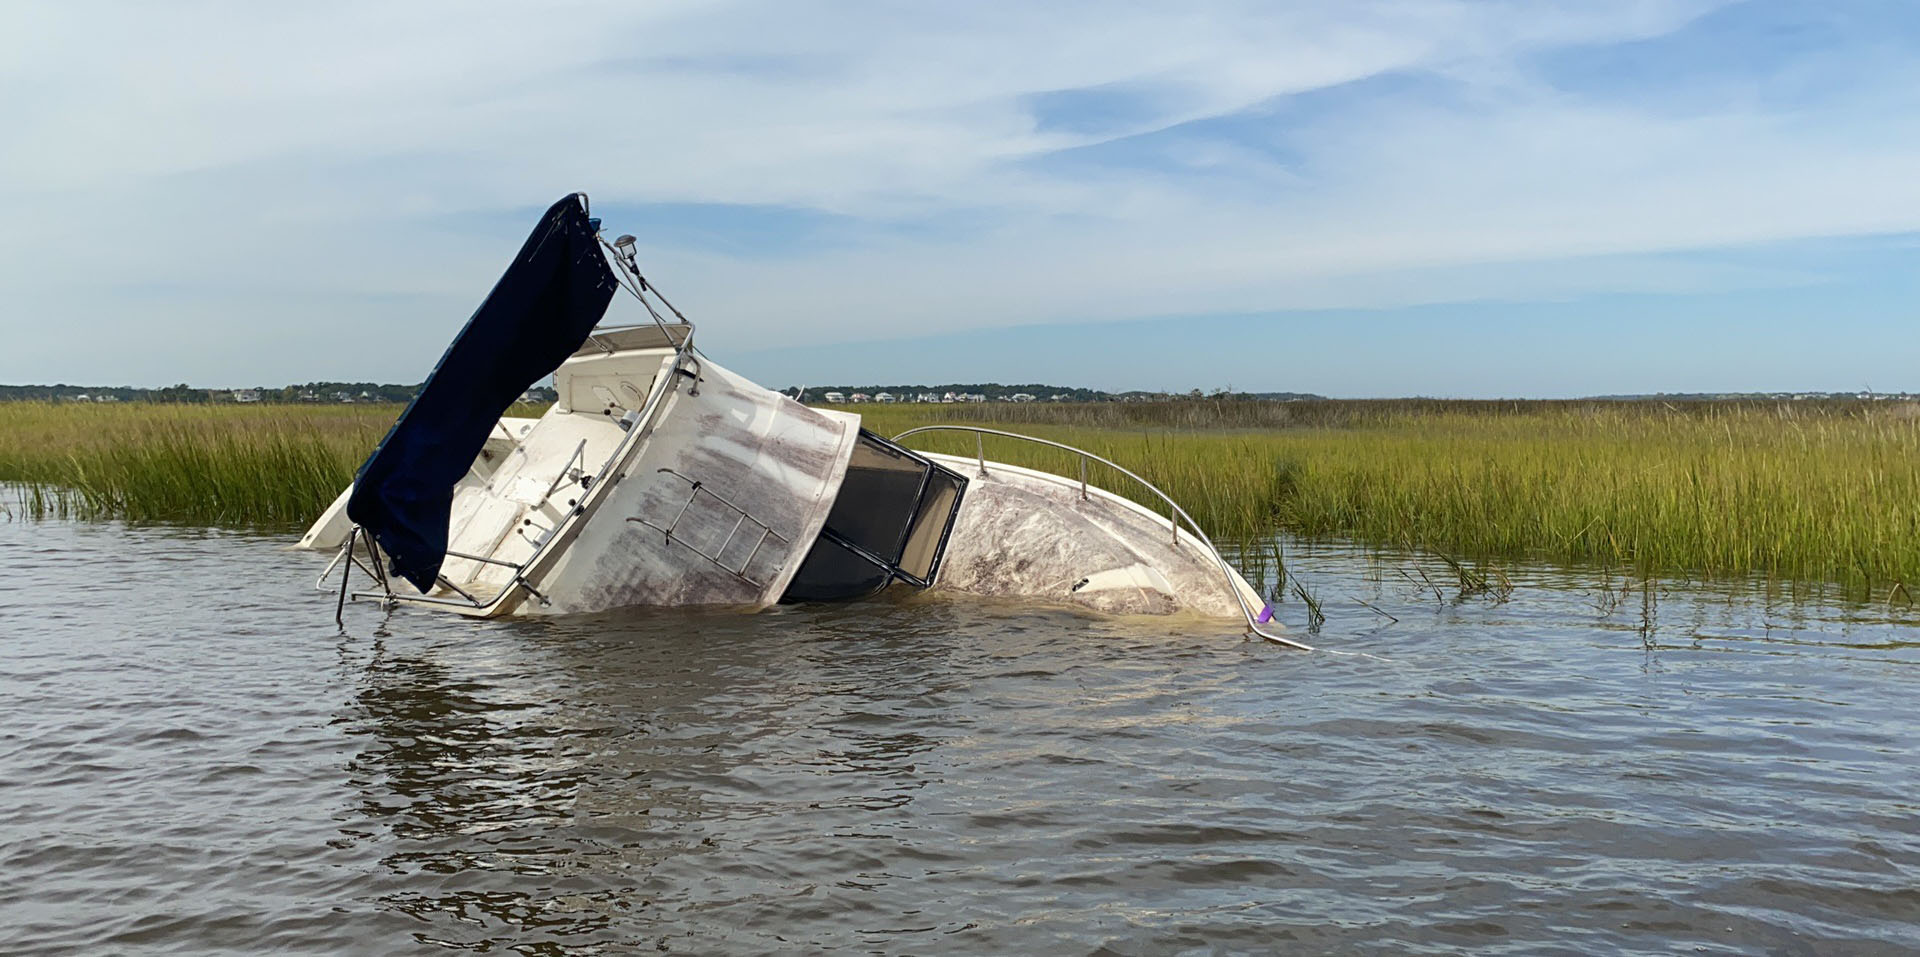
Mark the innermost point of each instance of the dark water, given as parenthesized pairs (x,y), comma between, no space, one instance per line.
(193,761)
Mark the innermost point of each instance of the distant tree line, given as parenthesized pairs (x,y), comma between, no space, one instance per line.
(998,392)
(311,392)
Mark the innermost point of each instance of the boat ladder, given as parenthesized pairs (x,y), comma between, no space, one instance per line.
(742,520)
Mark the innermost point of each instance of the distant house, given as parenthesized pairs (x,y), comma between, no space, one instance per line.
(928,397)
(1058,397)
(973,397)
(885,397)
(835,398)
(861,397)
(1022,397)
(246,395)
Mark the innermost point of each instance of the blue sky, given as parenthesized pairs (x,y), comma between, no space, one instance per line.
(1357,198)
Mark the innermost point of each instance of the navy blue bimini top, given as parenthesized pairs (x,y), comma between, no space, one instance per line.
(539,312)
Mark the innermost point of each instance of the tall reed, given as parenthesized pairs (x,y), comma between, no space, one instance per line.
(209,465)
(1802,491)
(1822,491)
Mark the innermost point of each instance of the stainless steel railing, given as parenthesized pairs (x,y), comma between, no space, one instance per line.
(1176,514)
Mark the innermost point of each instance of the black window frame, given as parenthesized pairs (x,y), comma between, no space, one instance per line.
(892,567)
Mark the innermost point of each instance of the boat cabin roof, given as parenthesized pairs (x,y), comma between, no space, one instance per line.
(630,338)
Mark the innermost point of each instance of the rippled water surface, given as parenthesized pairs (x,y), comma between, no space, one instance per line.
(193,760)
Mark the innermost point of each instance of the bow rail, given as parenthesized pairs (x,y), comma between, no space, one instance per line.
(1176,514)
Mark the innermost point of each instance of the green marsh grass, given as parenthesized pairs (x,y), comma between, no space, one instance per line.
(1806,491)
(1811,491)
(271,466)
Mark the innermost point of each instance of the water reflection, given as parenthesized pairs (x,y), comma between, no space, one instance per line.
(595,749)
(1676,767)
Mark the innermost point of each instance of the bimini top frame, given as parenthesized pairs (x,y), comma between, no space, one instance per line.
(1176,514)
(602,340)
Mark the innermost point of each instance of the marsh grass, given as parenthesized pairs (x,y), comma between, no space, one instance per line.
(274,466)
(1817,492)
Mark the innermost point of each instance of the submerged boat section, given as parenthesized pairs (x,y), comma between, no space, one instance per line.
(661,478)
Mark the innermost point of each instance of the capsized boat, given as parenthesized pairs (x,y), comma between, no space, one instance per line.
(659,477)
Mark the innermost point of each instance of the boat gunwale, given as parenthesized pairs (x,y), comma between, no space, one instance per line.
(510,595)
(1236,584)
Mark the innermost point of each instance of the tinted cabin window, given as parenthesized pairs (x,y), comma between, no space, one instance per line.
(834,572)
(889,521)
(877,500)
(929,532)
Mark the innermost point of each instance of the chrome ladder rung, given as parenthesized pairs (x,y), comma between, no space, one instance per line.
(695,488)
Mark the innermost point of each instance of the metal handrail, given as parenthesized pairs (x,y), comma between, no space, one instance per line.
(579,455)
(1193,527)
(683,353)
(519,580)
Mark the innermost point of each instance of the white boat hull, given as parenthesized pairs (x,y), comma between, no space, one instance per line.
(661,478)
(1027,534)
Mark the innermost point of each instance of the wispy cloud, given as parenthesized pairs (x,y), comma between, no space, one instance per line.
(308,181)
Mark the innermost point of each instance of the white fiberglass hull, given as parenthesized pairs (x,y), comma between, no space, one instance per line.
(1027,534)
(700,488)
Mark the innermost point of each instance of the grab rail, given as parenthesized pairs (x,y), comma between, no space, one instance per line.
(633,282)
(643,425)
(579,455)
(1193,527)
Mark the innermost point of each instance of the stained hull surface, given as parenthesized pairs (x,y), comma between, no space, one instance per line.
(1028,534)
